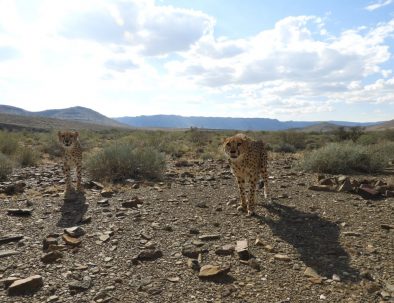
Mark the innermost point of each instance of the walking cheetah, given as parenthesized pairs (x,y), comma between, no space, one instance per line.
(72,156)
(248,161)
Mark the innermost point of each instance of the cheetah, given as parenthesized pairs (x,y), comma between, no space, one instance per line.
(72,156)
(248,161)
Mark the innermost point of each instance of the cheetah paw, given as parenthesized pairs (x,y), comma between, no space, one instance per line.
(250,213)
(241,208)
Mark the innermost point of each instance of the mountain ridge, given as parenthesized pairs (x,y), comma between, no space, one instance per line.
(253,124)
(75,113)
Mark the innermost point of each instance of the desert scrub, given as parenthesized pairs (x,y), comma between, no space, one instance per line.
(284,148)
(27,157)
(8,143)
(124,161)
(5,167)
(344,158)
(51,146)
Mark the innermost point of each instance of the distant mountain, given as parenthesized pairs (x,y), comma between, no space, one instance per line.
(77,113)
(173,121)
(382,126)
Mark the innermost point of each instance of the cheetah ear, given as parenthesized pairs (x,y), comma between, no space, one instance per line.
(76,134)
(59,133)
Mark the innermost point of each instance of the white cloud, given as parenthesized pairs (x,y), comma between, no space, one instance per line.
(133,57)
(378,4)
(154,30)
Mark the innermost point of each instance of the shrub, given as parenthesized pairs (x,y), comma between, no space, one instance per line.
(27,157)
(284,148)
(8,144)
(51,146)
(120,162)
(342,158)
(5,167)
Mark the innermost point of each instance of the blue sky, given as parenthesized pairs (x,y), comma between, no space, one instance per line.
(290,60)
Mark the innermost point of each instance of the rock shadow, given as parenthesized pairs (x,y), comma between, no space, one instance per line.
(220,279)
(73,210)
(315,239)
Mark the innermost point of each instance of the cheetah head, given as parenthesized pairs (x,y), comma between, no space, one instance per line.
(67,139)
(235,146)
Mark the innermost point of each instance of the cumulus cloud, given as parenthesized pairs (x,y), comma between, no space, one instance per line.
(120,65)
(154,30)
(297,59)
(8,53)
(378,4)
(143,50)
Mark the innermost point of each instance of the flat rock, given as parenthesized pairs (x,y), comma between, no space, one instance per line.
(10,238)
(19,211)
(368,193)
(103,202)
(282,257)
(48,241)
(25,286)
(75,231)
(346,186)
(225,250)
(7,253)
(107,193)
(311,273)
(320,188)
(242,249)
(132,203)
(209,271)
(71,240)
(209,237)
(78,286)
(8,281)
(97,185)
(148,255)
(51,257)
(387,226)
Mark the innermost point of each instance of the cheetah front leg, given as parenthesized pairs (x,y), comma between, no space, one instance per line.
(241,187)
(252,196)
(79,177)
(67,174)
(264,175)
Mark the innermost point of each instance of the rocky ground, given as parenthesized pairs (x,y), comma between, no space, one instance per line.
(182,240)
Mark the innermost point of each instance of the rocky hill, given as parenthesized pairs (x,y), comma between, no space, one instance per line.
(33,123)
(77,113)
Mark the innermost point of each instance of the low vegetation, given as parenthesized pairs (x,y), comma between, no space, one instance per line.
(5,167)
(119,162)
(347,157)
(344,150)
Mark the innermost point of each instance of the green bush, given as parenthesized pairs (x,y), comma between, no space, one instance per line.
(5,167)
(8,143)
(27,157)
(120,162)
(284,148)
(51,145)
(345,158)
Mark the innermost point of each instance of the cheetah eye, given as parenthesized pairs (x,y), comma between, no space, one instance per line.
(239,144)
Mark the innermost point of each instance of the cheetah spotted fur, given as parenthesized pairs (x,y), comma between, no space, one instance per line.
(248,162)
(72,157)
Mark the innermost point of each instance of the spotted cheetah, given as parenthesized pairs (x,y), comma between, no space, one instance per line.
(248,161)
(72,156)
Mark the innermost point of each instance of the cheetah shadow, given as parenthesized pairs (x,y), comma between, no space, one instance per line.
(73,210)
(315,239)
